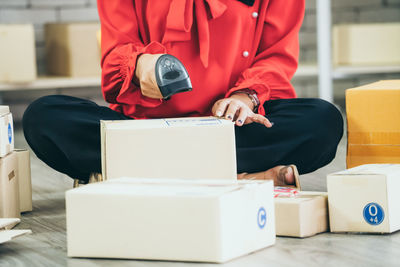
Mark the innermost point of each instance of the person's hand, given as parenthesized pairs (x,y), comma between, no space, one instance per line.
(238,108)
(146,75)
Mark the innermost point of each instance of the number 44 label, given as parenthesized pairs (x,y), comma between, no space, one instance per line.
(373,213)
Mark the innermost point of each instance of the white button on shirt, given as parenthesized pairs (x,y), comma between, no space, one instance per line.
(245,53)
(254,14)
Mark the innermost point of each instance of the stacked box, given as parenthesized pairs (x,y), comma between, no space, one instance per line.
(72,49)
(366,44)
(15,177)
(17,53)
(9,187)
(24,180)
(373,128)
(187,148)
(170,219)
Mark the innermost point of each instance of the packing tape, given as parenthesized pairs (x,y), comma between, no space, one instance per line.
(280,191)
(374,138)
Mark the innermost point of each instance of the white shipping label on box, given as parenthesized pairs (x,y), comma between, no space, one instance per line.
(193,148)
(365,199)
(9,188)
(17,53)
(170,219)
(24,180)
(302,215)
(6,134)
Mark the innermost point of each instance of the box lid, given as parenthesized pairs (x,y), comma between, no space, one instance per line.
(383,84)
(163,123)
(371,169)
(301,196)
(165,187)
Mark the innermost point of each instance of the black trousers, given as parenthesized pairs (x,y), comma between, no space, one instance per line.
(64,132)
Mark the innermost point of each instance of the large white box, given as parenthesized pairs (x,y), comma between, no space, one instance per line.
(17,53)
(365,199)
(190,148)
(170,219)
(6,131)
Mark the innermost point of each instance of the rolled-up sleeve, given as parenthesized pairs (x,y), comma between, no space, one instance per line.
(121,44)
(276,59)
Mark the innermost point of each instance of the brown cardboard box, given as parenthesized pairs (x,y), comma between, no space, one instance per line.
(17,53)
(24,180)
(72,49)
(9,188)
(187,148)
(366,44)
(373,123)
(6,234)
(304,215)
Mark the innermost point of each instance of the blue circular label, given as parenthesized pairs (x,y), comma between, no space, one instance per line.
(9,133)
(373,213)
(261,217)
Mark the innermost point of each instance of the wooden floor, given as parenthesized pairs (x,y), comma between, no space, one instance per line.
(47,245)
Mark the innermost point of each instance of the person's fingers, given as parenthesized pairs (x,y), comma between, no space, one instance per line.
(232,109)
(220,107)
(261,119)
(241,118)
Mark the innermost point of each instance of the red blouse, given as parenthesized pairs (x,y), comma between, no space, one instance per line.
(225,46)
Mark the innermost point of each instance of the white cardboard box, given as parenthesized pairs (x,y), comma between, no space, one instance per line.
(6,131)
(366,44)
(365,199)
(17,53)
(6,234)
(193,148)
(170,219)
(9,189)
(24,180)
(303,215)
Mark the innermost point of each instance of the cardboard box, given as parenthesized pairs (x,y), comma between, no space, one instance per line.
(9,188)
(303,215)
(193,148)
(72,49)
(170,219)
(373,128)
(7,235)
(366,44)
(365,199)
(24,180)
(17,53)
(6,131)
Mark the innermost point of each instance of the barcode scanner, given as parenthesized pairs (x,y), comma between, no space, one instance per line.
(172,76)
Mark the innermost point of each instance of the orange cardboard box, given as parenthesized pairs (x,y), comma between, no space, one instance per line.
(373,123)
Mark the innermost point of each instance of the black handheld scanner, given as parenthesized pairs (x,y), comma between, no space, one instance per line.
(171,76)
